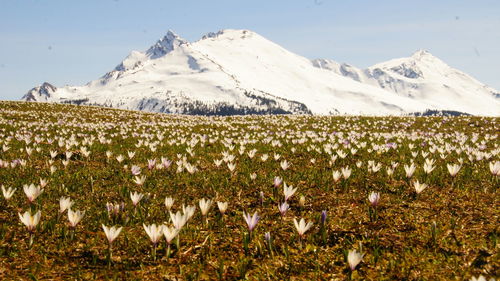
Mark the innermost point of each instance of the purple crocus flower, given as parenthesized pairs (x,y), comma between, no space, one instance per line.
(277,181)
(390,145)
(166,163)
(15,163)
(136,170)
(151,163)
(323,217)
(267,237)
(251,220)
(283,208)
(114,209)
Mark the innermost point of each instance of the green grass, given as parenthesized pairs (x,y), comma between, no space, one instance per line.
(447,232)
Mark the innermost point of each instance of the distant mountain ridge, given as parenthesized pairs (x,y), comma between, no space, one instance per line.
(241,72)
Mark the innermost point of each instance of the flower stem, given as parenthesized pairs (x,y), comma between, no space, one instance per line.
(110,250)
(168,251)
(31,240)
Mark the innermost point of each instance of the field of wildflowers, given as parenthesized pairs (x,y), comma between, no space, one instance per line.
(91,193)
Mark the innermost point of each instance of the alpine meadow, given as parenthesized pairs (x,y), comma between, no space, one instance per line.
(92,193)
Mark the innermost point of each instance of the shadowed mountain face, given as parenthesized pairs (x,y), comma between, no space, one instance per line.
(240,72)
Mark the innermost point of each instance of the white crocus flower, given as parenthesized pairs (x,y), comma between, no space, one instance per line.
(139,180)
(336,176)
(205,206)
(495,168)
(75,217)
(354,258)
(284,165)
(419,187)
(346,172)
(111,232)
(374,198)
(222,206)
(32,191)
(65,203)
(136,197)
(170,233)
(301,226)
(29,220)
(288,191)
(8,193)
(178,219)
(154,232)
(410,170)
(188,211)
(453,169)
(169,202)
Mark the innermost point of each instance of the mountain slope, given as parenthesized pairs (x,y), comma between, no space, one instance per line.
(240,72)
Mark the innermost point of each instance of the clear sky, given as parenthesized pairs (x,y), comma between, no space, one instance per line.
(73,42)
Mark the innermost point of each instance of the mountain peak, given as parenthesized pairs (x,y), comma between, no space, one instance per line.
(48,86)
(40,93)
(414,66)
(421,53)
(165,45)
(212,34)
(424,55)
(230,34)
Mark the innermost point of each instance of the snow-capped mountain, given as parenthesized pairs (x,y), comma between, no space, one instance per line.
(240,72)
(425,78)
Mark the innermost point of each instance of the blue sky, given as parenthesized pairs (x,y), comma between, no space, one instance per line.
(73,42)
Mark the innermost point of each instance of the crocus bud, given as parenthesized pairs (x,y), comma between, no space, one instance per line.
(323,217)
(267,237)
(302,201)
